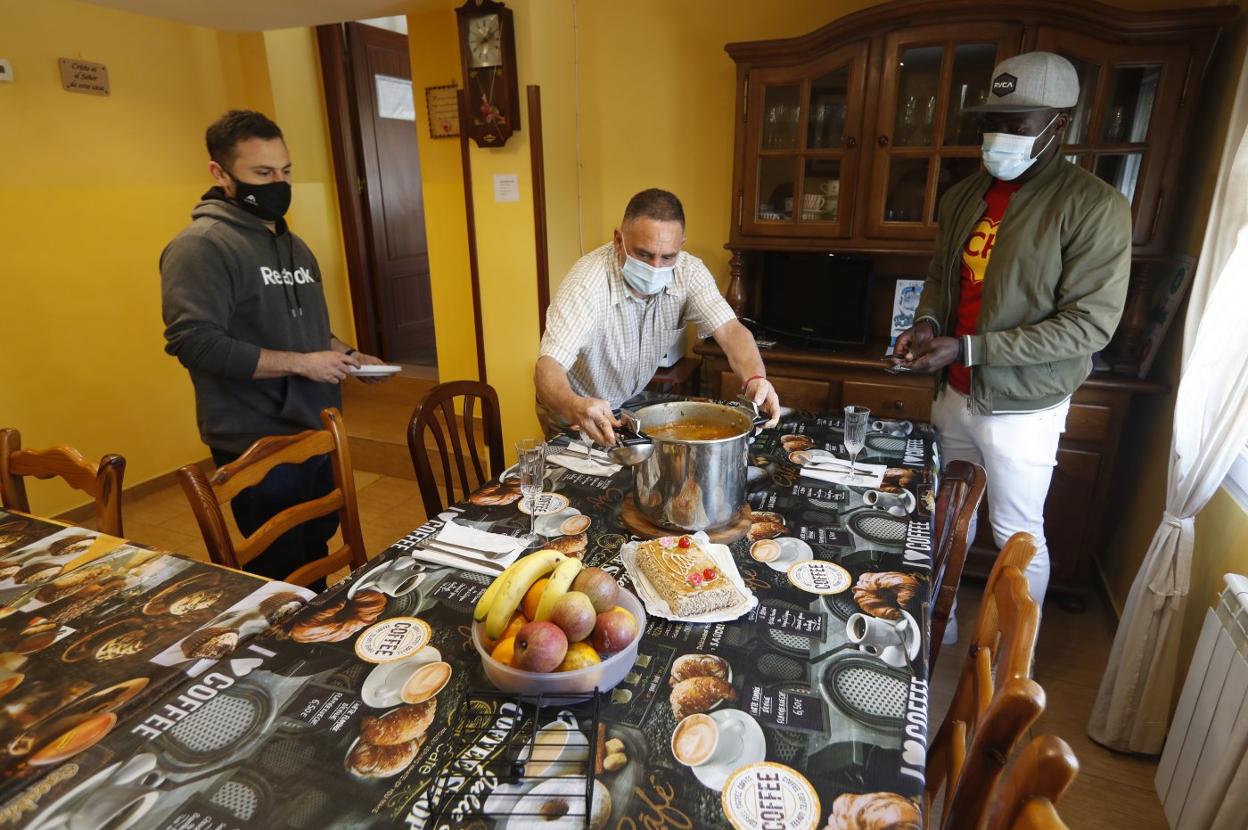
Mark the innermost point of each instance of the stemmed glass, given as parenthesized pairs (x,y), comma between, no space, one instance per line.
(856,418)
(531,466)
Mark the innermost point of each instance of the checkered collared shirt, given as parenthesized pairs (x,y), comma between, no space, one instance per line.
(609,340)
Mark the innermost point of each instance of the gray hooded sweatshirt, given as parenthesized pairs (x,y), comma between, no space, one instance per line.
(230,287)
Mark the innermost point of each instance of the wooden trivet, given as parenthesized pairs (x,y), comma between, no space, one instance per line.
(636,521)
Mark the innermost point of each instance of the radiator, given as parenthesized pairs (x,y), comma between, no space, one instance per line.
(1208,739)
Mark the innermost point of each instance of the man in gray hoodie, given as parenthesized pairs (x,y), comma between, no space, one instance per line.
(245,313)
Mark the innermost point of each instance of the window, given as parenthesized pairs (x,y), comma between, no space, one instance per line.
(1237,479)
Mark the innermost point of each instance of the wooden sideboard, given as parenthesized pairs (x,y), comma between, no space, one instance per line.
(1081,496)
(846,137)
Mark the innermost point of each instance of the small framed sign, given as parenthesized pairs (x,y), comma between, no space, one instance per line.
(84,76)
(443,111)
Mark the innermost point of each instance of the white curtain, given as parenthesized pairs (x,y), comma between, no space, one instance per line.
(1210,427)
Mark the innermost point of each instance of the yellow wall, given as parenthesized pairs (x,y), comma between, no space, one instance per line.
(91,191)
(435,62)
(505,237)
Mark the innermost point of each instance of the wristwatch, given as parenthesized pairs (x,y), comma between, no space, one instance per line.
(961,350)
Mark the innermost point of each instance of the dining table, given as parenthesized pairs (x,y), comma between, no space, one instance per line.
(369,707)
(94,627)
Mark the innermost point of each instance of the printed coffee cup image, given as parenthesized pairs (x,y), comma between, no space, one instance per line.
(426,682)
(575,524)
(765,550)
(400,578)
(699,741)
(559,748)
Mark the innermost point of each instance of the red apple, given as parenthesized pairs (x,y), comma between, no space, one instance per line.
(540,647)
(575,614)
(599,586)
(613,630)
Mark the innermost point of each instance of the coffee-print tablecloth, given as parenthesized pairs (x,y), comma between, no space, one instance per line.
(93,627)
(818,695)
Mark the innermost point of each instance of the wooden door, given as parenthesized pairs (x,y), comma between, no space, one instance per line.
(398,256)
(803,128)
(925,142)
(1120,130)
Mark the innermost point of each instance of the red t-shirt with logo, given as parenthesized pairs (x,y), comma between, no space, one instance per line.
(976,252)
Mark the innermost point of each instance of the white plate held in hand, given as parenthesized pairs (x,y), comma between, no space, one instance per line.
(375,371)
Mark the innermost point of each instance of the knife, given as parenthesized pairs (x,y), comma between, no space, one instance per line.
(441,549)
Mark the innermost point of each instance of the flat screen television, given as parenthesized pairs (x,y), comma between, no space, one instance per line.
(816,299)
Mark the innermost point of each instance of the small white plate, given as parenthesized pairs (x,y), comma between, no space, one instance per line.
(549,525)
(382,686)
(753,749)
(375,371)
(792,551)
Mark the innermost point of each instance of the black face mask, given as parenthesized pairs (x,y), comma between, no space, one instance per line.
(268,202)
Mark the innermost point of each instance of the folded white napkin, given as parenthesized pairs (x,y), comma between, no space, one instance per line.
(469,539)
(455,533)
(868,475)
(573,458)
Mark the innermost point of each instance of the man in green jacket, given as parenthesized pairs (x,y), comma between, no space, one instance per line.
(1028,281)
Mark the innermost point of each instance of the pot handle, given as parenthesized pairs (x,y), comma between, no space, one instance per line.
(752,408)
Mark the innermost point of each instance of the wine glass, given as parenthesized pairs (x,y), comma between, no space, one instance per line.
(531,466)
(856,418)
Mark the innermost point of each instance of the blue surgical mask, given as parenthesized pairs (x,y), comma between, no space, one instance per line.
(1008,156)
(643,278)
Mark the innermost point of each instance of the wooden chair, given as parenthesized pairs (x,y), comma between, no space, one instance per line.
(206,496)
(1008,717)
(1038,814)
(1041,772)
(101,482)
(456,440)
(961,490)
(1002,648)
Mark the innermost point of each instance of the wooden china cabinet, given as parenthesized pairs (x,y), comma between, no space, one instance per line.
(847,137)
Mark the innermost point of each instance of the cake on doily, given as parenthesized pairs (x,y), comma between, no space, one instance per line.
(685,576)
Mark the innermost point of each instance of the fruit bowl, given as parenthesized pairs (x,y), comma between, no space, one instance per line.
(602,676)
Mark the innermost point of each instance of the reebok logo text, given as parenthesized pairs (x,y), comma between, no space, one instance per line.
(272,276)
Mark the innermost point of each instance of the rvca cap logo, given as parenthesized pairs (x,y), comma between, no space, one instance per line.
(1004,84)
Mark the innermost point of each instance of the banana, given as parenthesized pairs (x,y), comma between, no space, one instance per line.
(559,583)
(487,599)
(519,577)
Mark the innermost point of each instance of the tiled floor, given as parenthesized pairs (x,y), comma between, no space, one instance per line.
(1111,791)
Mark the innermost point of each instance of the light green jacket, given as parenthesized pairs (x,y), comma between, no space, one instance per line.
(1053,289)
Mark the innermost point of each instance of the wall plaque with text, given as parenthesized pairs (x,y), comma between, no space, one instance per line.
(84,76)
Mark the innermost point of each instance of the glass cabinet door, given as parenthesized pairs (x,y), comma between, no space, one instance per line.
(802,127)
(1113,131)
(925,140)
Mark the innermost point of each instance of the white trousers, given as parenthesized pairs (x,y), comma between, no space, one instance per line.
(1018,452)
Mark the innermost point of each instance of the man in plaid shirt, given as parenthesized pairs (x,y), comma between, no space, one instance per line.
(617,311)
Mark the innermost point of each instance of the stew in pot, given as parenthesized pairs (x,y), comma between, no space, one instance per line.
(692,431)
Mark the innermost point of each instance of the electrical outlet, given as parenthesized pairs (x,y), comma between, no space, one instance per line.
(6,70)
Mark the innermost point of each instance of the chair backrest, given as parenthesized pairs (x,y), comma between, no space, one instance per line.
(208,494)
(961,490)
(1012,712)
(1002,648)
(455,436)
(1039,814)
(102,481)
(1043,770)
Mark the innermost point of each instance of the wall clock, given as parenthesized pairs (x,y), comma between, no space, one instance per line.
(487,49)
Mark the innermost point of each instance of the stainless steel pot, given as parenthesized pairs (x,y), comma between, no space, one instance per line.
(693,485)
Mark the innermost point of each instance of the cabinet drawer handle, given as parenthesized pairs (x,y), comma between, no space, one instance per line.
(882,141)
(899,405)
(851,142)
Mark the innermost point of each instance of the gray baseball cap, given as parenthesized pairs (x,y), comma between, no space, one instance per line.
(1031,81)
